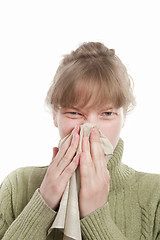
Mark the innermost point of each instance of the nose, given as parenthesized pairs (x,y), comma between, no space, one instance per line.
(91,118)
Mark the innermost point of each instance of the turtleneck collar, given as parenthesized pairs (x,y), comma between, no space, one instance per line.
(119,172)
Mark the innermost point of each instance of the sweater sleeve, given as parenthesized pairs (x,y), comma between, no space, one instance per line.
(99,225)
(32,223)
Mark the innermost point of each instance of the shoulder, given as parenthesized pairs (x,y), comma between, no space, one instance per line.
(24,179)
(148,181)
(148,187)
(28,172)
(17,189)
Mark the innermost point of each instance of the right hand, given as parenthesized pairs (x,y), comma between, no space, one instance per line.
(64,163)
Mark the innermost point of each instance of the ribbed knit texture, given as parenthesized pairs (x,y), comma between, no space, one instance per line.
(132,211)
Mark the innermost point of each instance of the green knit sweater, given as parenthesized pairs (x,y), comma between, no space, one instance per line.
(132,211)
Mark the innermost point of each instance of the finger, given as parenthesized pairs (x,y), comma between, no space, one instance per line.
(70,168)
(83,167)
(64,147)
(55,151)
(68,157)
(97,152)
(86,162)
(86,148)
(86,159)
(87,173)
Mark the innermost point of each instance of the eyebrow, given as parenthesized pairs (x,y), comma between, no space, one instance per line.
(105,108)
(74,108)
(108,107)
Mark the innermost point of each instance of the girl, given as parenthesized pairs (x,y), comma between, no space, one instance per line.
(92,86)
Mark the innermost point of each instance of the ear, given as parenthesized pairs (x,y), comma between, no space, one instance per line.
(124,119)
(55,120)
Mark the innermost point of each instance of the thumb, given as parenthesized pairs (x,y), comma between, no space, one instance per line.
(55,151)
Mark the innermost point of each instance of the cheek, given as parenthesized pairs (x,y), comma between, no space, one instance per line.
(116,130)
(65,127)
(112,132)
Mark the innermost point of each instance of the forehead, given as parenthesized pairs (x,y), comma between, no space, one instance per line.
(91,104)
(87,96)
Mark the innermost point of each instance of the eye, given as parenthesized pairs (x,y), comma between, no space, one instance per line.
(74,115)
(108,115)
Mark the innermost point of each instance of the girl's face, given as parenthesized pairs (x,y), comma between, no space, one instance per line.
(107,118)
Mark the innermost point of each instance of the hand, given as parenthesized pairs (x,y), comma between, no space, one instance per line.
(64,163)
(94,175)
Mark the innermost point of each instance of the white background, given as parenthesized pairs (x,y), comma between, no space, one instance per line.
(33,36)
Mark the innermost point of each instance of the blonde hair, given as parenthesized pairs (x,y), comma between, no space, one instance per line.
(91,73)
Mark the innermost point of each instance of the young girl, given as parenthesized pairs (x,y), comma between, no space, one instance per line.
(91,86)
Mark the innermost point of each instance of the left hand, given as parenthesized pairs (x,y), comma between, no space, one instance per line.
(94,175)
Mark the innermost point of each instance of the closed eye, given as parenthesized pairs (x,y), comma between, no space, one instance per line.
(73,114)
(108,115)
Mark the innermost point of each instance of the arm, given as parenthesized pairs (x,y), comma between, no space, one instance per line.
(32,223)
(99,225)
